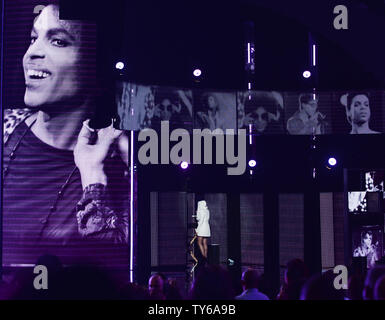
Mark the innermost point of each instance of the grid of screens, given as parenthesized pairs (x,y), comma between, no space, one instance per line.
(366,212)
(264,112)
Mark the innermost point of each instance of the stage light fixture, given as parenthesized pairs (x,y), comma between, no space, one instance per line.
(306,74)
(332,161)
(184,165)
(119,65)
(252,163)
(197,73)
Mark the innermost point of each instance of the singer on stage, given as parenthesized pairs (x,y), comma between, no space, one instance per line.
(203,229)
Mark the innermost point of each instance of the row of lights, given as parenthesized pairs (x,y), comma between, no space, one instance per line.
(198,72)
(120,66)
(250,60)
(332,162)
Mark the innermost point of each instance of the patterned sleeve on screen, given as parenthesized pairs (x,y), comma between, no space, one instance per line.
(95,219)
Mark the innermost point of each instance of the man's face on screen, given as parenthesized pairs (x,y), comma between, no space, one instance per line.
(360,109)
(310,107)
(51,63)
(212,105)
(260,119)
(368,240)
(165,109)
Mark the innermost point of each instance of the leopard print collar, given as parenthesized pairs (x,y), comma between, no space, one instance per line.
(12,118)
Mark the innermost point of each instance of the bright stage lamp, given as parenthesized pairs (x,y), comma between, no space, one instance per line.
(332,162)
(184,165)
(306,74)
(252,163)
(119,65)
(197,73)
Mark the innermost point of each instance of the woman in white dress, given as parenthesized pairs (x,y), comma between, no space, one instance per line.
(203,229)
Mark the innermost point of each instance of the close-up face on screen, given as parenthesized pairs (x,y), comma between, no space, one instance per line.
(65,184)
(51,63)
(166,151)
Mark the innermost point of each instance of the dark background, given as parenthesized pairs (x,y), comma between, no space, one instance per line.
(163,41)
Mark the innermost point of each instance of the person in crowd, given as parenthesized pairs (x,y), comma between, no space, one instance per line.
(372,276)
(86,282)
(156,286)
(355,287)
(161,288)
(133,291)
(172,290)
(321,287)
(295,276)
(250,282)
(379,289)
(213,282)
(74,282)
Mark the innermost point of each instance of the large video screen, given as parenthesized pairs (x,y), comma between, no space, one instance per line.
(65,179)
(259,112)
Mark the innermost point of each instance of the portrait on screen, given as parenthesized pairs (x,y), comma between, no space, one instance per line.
(141,106)
(135,106)
(310,116)
(214,110)
(367,242)
(263,111)
(65,176)
(362,111)
(357,202)
(374,181)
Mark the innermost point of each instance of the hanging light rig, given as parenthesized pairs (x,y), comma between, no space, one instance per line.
(249,53)
(249,63)
(312,47)
(249,47)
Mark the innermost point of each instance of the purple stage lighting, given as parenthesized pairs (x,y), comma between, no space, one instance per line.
(197,73)
(306,74)
(184,165)
(332,162)
(252,163)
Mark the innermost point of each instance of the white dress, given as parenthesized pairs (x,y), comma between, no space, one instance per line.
(203,217)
